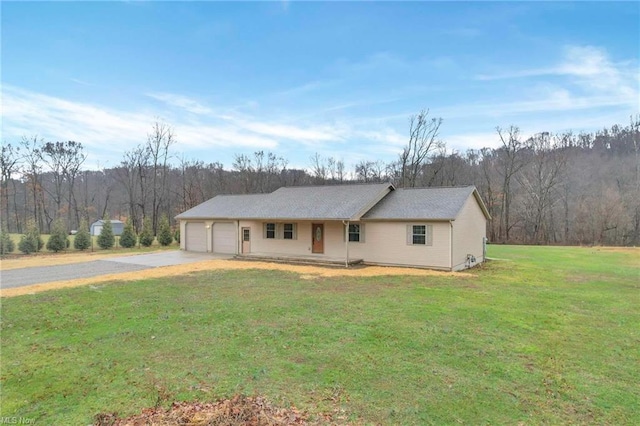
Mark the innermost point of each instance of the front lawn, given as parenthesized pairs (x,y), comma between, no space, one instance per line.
(544,335)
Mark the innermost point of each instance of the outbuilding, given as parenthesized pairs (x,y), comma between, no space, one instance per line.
(116,225)
(436,227)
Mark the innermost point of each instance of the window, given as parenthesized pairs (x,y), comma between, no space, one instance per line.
(289,231)
(354,233)
(246,234)
(280,231)
(269,230)
(420,235)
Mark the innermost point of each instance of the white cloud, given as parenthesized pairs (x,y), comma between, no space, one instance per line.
(183,102)
(59,119)
(593,80)
(464,141)
(306,88)
(105,132)
(203,136)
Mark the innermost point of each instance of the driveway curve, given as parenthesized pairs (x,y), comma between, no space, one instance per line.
(44,274)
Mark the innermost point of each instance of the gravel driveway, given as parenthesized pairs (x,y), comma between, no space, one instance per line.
(44,274)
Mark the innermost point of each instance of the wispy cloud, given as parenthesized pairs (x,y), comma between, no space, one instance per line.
(307,88)
(81,82)
(182,102)
(590,69)
(25,113)
(108,132)
(475,140)
(197,126)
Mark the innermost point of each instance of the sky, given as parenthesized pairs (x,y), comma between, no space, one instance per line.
(340,79)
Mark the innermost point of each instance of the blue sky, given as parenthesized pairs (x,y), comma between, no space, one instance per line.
(296,78)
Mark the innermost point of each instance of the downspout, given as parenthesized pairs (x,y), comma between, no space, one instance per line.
(346,242)
(451,243)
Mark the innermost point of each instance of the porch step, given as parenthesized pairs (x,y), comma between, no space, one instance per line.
(298,260)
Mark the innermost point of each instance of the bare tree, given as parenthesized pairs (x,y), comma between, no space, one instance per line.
(33,169)
(132,175)
(487,186)
(423,134)
(340,171)
(63,159)
(192,192)
(243,165)
(159,141)
(540,180)
(364,171)
(511,161)
(319,168)
(9,164)
(634,130)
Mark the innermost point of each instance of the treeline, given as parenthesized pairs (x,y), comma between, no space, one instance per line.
(546,189)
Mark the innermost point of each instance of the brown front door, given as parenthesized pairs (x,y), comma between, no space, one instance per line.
(317,237)
(246,240)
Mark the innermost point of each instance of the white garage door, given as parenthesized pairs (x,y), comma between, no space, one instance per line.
(224,237)
(196,238)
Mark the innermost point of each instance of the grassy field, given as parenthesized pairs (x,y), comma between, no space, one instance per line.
(543,335)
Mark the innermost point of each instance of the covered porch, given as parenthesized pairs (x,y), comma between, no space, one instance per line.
(300,259)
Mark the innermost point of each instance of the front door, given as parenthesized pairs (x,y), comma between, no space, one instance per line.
(246,240)
(317,235)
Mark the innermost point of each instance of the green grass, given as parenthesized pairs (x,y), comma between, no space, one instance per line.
(96,247)
(548,335)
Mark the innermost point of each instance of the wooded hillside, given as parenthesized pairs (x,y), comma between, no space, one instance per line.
(547,189)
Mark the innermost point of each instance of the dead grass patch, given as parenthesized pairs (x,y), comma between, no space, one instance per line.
(307,272)
(237,411)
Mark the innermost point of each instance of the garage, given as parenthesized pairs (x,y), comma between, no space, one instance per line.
(196,237)
(224,237)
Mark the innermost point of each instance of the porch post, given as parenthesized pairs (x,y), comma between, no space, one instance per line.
(346,242)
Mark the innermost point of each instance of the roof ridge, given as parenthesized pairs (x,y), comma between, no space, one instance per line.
(240,195)
(337,185)
(440,187)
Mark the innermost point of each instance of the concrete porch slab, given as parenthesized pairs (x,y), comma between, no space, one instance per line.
(299,259)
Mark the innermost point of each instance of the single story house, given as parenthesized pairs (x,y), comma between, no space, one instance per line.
(116,225)
(439,227)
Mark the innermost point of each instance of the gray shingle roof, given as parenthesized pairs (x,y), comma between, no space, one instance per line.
(101,221)
(339,202)
(226,207)
(422,203)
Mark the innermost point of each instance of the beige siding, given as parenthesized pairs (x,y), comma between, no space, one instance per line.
(469,229)
(183,233)
(333,240)
(386,243)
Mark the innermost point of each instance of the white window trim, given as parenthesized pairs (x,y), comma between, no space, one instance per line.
(275,231)
(345,235)
(294,230)
(428,238)
(279,230)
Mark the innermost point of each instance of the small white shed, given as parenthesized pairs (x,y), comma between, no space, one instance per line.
(116,225)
